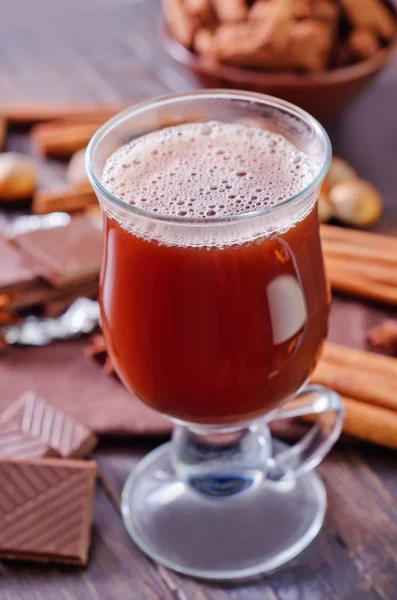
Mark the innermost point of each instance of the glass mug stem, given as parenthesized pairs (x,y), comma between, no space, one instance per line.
(223,461)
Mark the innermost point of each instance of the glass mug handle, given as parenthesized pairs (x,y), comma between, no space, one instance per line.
(306,454)
(222,461)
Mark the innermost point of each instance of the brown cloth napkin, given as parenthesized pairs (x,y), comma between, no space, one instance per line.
(77,385)
(64,377)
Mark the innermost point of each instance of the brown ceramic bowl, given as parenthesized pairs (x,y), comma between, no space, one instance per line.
(323,95)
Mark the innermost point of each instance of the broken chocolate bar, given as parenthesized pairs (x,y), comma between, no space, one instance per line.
(17,277)
(43,293)
(46,509)
(64,255)
(16,268)
(46,265)
(30,427)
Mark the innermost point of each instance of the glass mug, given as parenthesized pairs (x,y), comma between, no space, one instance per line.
(218,338)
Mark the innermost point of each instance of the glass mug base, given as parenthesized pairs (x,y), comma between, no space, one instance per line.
(250,533)
(229,502)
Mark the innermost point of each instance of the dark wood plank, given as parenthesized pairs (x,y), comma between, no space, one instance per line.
(363,515)
(116,567)
(382,465)
(85,51)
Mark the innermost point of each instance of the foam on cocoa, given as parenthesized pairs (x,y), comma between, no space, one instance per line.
(207,170)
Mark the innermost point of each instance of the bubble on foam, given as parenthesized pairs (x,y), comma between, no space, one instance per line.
(184,171)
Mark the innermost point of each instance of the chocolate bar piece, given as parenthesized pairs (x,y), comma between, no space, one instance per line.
(46,509)
(30,427)
(17,277)
(16,269)
(21,287)
(44,294)
(64,255)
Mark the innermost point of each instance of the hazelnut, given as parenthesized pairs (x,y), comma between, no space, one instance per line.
(18,176)
(356,202)
(325,212)
(339,171)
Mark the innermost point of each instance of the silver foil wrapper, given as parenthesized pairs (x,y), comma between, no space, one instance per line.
(81,318)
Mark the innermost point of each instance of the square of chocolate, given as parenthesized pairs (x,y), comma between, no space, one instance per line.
(64,255)
(31,427)
(46,509)
(16,270)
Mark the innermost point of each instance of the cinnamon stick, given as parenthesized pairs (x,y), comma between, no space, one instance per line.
(360,263)
(346,281)
(368,422)
(31,114)
(367,383)
(356,238)
(374,270)
(360,360)
(69,200)
(61,139)
(366,386)
(3,132)
(368,253)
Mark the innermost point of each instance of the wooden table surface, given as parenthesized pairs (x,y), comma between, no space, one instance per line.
(108,50)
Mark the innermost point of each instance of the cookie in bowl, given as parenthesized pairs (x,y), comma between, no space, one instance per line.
(316,53)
